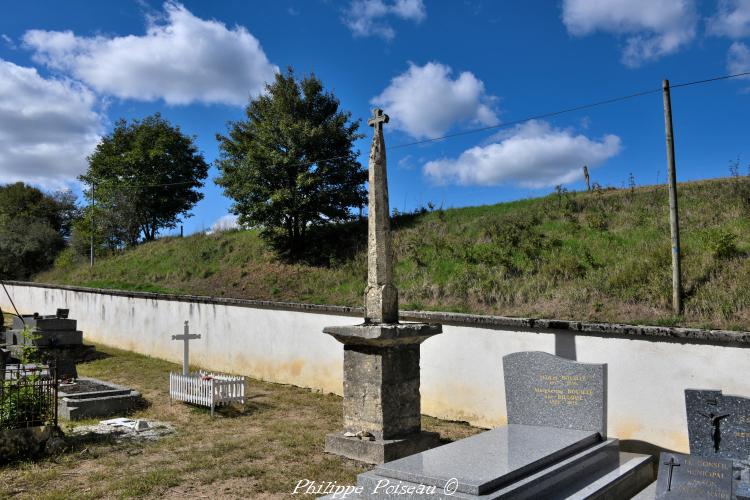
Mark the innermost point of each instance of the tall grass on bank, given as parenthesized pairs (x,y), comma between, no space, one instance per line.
(601,255)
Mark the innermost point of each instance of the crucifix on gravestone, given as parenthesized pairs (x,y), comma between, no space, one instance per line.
(716,427)
(186,337)
(671,464)
(381,297)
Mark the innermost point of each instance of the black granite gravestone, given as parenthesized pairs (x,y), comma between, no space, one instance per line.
(719,427)
(691,477)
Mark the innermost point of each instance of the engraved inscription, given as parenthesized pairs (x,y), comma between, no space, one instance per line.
(559,390)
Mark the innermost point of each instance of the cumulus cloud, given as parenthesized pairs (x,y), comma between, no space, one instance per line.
(652,29)
(370,17)
(738,58)
(181,59)
(47,127)
(532,155)
(732,19)
(425,101)
(226,222)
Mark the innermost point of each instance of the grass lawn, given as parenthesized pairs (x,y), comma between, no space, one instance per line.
(259,451)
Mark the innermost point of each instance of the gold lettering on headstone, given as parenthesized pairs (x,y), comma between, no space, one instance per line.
(562,389)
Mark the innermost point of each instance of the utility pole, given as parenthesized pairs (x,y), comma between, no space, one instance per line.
(91,243)
(586,176)
(674,219)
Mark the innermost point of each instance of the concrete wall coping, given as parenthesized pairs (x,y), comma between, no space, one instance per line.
(639,332)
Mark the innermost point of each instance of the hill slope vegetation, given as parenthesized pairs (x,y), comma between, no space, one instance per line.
(603,255)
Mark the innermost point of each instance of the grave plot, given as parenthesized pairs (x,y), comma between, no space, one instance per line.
(89,398)
(55,337)
(203,388)
(554,445)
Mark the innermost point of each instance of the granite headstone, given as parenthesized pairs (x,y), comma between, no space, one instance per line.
(546,390)
(691,477)
(719,427)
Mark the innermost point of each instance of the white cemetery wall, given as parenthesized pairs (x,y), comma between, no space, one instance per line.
(460,369)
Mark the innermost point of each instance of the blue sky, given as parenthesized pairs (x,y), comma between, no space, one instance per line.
(69,70)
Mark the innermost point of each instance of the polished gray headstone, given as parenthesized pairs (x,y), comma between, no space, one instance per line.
(690,477)
(549,391)
(719,426)
(491,459)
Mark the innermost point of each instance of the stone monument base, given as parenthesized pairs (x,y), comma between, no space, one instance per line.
(380,450)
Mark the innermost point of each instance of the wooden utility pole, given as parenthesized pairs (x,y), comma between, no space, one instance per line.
(586,176)
(674,219)
(91,242)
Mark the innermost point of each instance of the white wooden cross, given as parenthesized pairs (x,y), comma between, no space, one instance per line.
(186,338)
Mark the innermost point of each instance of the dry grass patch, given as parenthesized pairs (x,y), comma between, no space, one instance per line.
(257,451)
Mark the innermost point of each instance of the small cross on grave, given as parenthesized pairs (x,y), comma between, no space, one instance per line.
(186,338)
(671,464)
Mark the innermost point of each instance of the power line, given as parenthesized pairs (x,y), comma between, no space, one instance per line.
(493,127)
(709,80)
(568,110)
(529,118)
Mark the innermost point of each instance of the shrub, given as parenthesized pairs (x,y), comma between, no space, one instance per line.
(22,404)
(721,243)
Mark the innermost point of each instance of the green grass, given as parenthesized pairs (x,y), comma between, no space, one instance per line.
(260,450)
(601,256)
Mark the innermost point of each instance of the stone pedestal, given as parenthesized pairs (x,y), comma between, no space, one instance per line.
(382,418)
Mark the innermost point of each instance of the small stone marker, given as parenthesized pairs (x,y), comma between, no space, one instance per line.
(690,477)
(719,427)
(546,390)
(186,337)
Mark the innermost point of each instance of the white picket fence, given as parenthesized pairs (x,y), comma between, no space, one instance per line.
(207,389)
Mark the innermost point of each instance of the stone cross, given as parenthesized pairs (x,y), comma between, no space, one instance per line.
(671,464)
(381,297)
(186,337)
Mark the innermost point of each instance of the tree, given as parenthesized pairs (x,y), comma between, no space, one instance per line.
(145,177)
(34,227)
(290,166)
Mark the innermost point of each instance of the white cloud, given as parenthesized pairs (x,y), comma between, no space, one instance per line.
(652,29)
(47,127)
(181,59)
(738,58)
(369,17)
(532,155)
(732,19)
(425,101)
(226,222)
(8,41)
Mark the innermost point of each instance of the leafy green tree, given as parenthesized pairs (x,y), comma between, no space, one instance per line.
(145,177)
(34,227)
(290,166)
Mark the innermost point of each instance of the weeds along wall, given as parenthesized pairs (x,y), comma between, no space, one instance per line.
(648,367)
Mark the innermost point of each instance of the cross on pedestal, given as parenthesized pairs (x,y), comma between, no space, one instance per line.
(381,296)
(671,464)
(186,337)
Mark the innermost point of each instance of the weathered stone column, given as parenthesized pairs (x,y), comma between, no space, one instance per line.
(381,356)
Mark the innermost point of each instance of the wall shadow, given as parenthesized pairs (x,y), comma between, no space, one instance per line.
(565,346)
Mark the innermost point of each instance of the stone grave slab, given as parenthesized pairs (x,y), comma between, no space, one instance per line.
(546,390)
(553,446)
(91,398)
(491,459)
(691,477)
(719,427)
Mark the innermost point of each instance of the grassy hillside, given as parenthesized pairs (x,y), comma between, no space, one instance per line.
(587,256)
